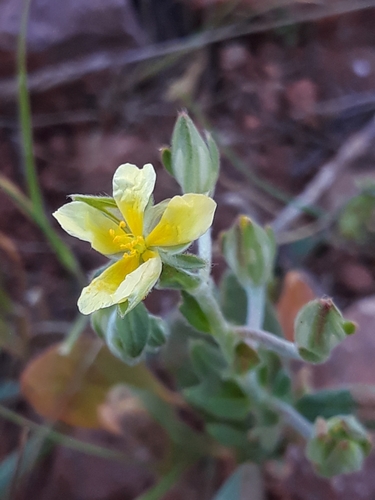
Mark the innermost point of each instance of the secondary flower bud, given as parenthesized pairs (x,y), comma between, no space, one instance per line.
(193,162)
(249,251)
(318,328)
(339,446)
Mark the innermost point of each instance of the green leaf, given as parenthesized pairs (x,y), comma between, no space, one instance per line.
(326,404)
(158,333)
(207,359)
(186,261)
(281,384)
(192,311)
(227,435)
(223,399)
(233,299)
(245,358)
(245,483)
(177,279)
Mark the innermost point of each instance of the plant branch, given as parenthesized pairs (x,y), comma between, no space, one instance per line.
(282,347)
(292,417)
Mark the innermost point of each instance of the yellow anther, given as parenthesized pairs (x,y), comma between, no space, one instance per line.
(122,224)
(112,232)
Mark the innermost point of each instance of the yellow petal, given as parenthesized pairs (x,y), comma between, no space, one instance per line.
(101,291)
(89,224)
(132,188)
(139,283)
(185,219)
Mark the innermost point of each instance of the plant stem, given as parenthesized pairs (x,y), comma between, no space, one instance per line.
(269,341)
(77,328)
(292,417)
(205,252)
(256,296)
(219,326)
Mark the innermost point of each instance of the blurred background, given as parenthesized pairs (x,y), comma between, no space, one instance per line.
(287,88)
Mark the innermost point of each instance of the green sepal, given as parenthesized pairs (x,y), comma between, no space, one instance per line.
(339,445)
(122,308)
(319,327)
(99,320)
(127,336)
(195,163)
(105,204)
(166,159)
(249,251)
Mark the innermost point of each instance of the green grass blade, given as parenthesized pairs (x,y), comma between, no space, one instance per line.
(25,114)
(64,255)
(62,439)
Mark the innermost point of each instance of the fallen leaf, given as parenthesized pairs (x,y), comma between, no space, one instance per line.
(71,388)
(295,294)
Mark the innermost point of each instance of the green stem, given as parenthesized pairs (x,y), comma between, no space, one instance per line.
(282,347)
(256,297)
(205,252)
(25,113)
(166,482)
(74,334)
(64,440)
(219,326)
(292,417)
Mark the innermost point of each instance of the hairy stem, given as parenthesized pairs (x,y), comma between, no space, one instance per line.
(282,347)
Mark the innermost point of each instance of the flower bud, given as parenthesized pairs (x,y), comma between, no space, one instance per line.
(318,328)
(193,162)
(131,337)
(249,251)
(339,446)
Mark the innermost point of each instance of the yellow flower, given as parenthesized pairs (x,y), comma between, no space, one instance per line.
(133,231)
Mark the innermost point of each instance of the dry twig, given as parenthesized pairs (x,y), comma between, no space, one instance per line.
(350,151)
(73,70)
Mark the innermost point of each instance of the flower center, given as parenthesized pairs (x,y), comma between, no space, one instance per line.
(127,242)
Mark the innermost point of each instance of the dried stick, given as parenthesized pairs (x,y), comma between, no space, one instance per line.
(350,151)
(65,72)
